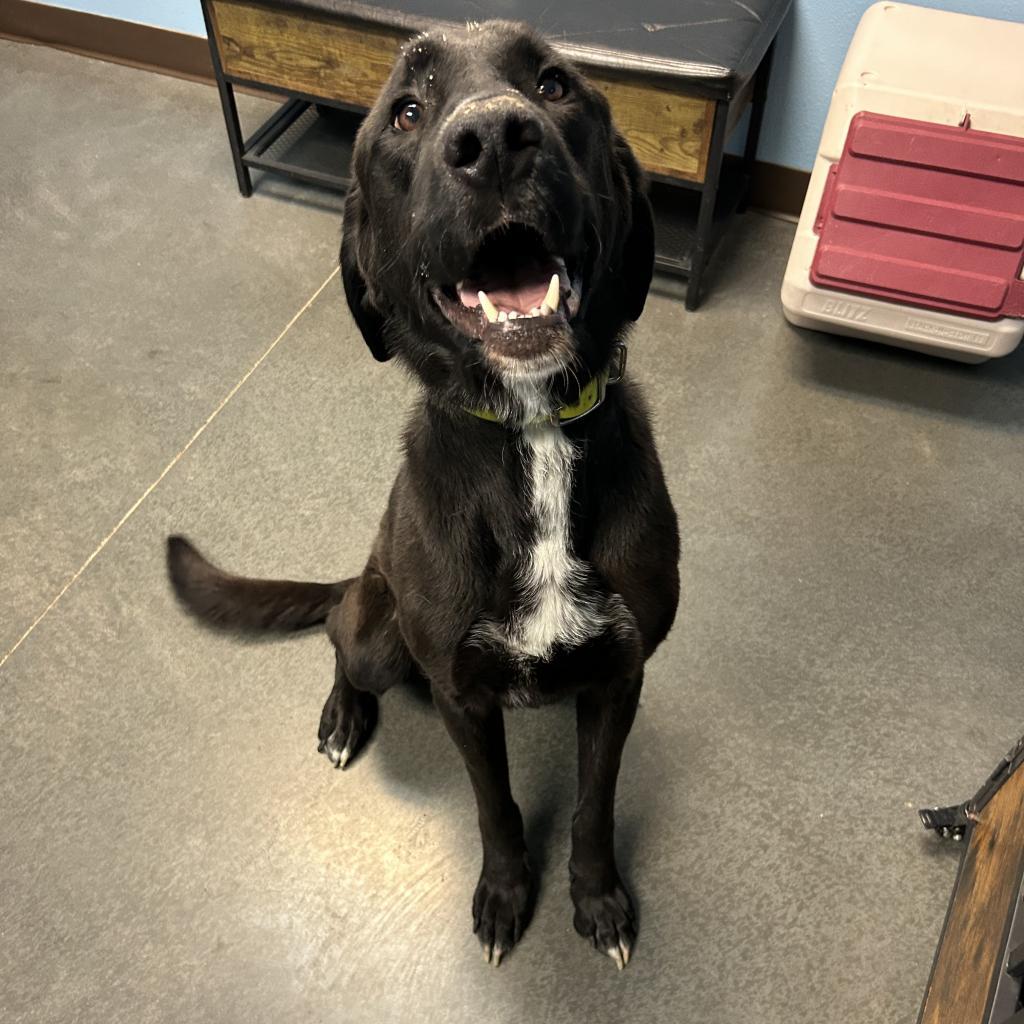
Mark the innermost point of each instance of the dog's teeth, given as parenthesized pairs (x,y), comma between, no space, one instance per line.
(551,299)
(545,309)
(513,316)
(535,311)
(502,317)
(488,307)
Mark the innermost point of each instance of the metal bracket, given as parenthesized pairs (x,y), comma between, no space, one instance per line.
(955,821)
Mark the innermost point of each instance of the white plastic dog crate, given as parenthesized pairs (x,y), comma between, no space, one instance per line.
(912,232)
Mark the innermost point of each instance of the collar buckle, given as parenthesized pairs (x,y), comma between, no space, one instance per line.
(612,375)
(589,403)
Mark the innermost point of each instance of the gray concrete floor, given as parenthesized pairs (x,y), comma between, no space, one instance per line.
(172,848)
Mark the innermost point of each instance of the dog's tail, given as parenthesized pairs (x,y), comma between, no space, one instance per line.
(234,602)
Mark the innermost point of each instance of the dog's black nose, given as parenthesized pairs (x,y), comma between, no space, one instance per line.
(492,141)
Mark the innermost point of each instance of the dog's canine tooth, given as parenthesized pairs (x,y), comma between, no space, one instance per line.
(488,307)
(551,299)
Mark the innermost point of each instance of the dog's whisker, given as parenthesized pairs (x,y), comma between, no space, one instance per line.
(576,380)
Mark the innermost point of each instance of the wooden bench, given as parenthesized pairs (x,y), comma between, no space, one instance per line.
(679,75)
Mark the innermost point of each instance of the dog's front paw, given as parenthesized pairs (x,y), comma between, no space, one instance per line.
(346,723)
(607,918)
(501,911)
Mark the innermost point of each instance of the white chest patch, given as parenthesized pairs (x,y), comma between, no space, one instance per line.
(554,607)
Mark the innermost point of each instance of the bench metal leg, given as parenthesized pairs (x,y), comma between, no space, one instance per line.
(757,106)
(227,103)
(709,195)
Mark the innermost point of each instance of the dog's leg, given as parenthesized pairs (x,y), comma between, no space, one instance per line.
(502,903)
(347,720)
(370,657)
(604,910)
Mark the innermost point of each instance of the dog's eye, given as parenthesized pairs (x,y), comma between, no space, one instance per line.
(551,86)
(407,116)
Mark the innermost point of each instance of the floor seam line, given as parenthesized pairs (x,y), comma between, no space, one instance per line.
(170,465)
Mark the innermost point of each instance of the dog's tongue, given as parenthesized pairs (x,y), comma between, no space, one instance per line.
(516,291)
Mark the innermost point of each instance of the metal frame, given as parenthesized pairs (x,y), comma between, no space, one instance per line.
(713,214)
(269,132)
(227,102)
(716,204)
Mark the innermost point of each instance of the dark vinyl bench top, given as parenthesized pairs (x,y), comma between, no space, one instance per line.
(714,44)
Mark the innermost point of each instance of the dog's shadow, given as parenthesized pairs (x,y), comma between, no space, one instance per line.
(417,761)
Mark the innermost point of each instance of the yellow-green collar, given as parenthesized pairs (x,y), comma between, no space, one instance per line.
(592,394)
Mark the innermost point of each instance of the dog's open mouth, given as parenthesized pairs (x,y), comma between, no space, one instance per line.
(515,292)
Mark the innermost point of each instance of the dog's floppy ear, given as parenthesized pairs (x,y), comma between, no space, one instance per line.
(638,247)
(368,318)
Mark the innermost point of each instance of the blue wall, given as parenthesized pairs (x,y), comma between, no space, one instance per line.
(179,15)
(810,51)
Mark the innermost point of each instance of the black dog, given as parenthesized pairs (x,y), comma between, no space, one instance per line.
(498,240)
